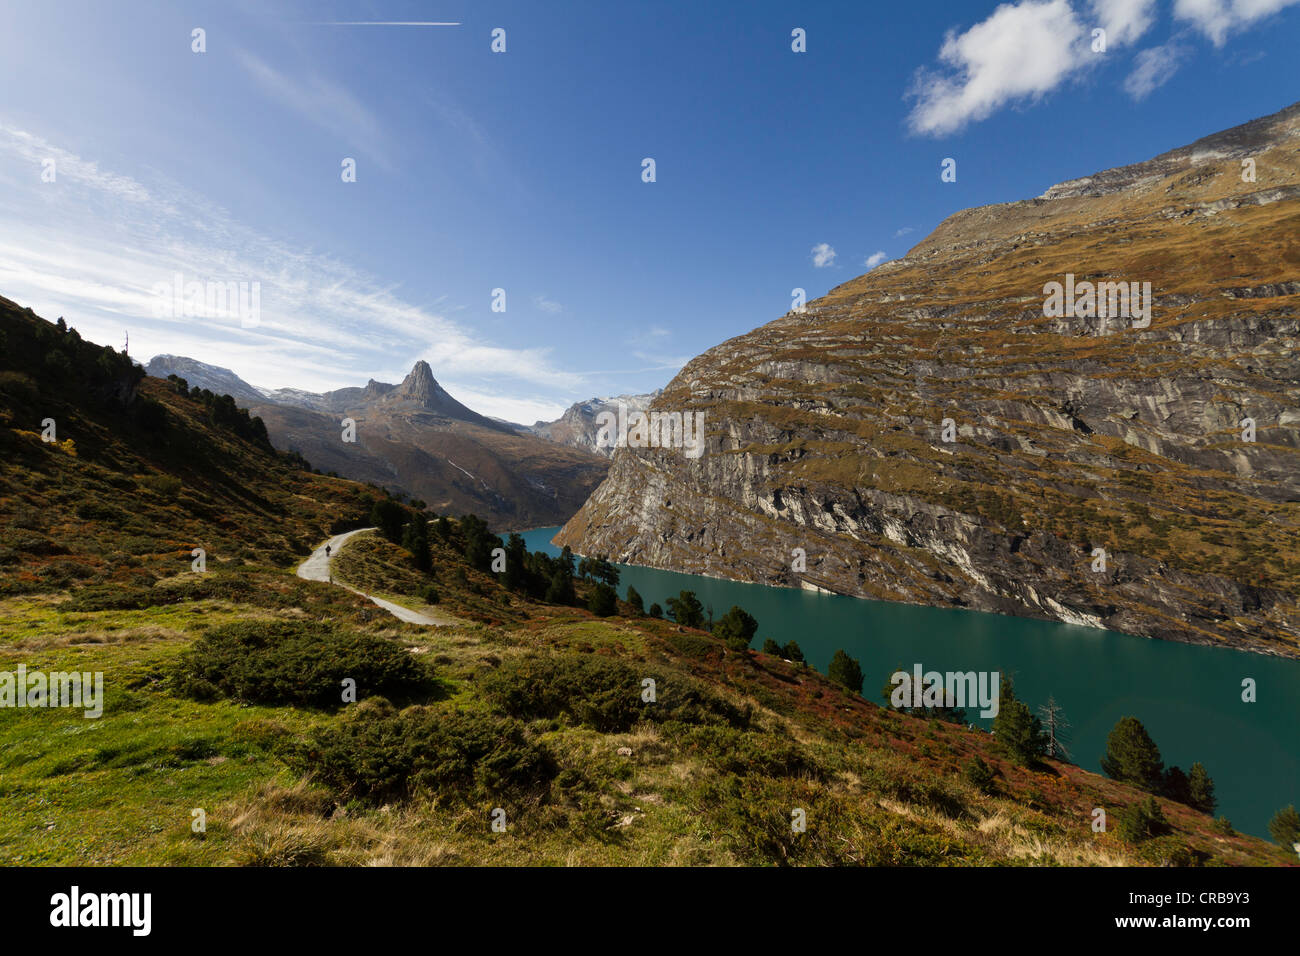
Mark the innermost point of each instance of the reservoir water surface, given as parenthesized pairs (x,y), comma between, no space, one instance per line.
(1188,697)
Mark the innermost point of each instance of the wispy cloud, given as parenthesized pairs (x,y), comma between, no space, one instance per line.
(1217,18)
(823,255)
(522,411)
(325,104)
(1125,21)
(68,167)
(1153,68)
(875,259)
(547,305)
(93,245)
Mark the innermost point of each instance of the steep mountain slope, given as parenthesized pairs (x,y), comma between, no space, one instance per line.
(578,428)
(220,381)
(416,438)
(138,475)
(826,432)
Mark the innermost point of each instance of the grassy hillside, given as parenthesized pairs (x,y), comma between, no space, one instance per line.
(538,713)
(223,689)
(139,475)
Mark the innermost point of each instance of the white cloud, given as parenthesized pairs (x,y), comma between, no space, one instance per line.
(92,245)
(1026,49)
(521,411)
(823,255)
(1124,20)
(875,259)
(1153,68)
(904,231)
(70,167)
(549,306)
(1217,18)
(1022,51)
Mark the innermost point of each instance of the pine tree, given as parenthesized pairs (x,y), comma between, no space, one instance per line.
(686,609)
(415,538)
(635,600)
(515,577)
(845,670)
(1285,827)
(1017,729)
(1132,756)
(387,515)
(560,590)
(737,627)
(1200,789)
(603,601)
(1177,787)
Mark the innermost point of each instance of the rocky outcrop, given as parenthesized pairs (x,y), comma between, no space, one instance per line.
(578,427)
(927,433)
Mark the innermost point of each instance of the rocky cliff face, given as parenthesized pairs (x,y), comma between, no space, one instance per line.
(926,433)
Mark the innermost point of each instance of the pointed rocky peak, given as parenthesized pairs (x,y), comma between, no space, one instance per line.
(420,385)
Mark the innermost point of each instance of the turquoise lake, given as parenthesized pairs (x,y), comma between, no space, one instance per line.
(1188,697)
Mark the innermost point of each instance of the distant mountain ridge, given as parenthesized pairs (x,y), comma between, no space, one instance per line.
(221,381)
(577,426)
(419,389)
(414,437)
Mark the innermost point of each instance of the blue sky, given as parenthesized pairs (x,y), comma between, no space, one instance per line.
(522,170)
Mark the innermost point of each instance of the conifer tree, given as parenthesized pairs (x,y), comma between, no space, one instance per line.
(1017,729)
(737,627)
(845,670)
(1200,789)
(1132,756)
(1285,827)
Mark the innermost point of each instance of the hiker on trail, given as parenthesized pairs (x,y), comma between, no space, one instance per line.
(327,550)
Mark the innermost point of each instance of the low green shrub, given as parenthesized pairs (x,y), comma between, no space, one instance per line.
(692,645)
(196,587)
(729,750)
(980,775)
(603,694)
(297,662)
(1142,821)
(375,754)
